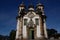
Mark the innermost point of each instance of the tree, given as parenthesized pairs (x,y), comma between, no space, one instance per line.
(2,37)
(51,32)
(12,35)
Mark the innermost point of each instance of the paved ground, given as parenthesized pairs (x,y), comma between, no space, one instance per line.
(53,39)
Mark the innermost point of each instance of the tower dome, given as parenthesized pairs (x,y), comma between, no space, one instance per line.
(22,5)
(31,7)
(21,11)
(39,6)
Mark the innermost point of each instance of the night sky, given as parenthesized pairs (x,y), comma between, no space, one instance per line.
(9,11)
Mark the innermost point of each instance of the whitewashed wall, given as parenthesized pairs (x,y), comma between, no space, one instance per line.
(45,29)
(25,27)
(38,34)
(17,32)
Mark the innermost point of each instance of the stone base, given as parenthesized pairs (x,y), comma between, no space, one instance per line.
(18,39)
(43,38)
(33,39)
(37,39)
(25,39)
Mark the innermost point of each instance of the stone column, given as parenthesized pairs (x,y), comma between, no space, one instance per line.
(25,31)
(17,31)
(41,28)
(35,32)
(45,30)
(19,28)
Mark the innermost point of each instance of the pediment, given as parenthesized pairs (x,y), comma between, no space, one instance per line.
(31,14)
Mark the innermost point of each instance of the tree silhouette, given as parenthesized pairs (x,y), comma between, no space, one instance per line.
(12,35)
(51,32)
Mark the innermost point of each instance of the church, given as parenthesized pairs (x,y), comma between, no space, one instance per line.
(31,23)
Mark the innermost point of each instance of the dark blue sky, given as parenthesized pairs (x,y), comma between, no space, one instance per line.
(9,11)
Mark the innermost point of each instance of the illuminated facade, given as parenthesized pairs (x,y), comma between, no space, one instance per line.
(31,23)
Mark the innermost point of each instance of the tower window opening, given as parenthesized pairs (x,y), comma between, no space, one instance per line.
(37,21)
(25,21)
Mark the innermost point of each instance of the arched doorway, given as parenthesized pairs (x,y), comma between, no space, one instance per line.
(31,33)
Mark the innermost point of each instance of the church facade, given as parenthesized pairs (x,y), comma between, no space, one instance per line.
(31,23)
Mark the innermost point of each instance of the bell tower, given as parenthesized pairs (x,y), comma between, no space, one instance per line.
(42,17)
(21,13)
(31,23)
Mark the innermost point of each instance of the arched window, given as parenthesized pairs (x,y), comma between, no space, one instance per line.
(37,21)
(25,21)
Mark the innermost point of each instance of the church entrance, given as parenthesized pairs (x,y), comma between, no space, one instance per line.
(31,34)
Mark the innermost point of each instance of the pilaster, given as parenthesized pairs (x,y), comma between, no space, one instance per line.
(25,39)
(41,27)
(19,28)
(45,30)
(35,32)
